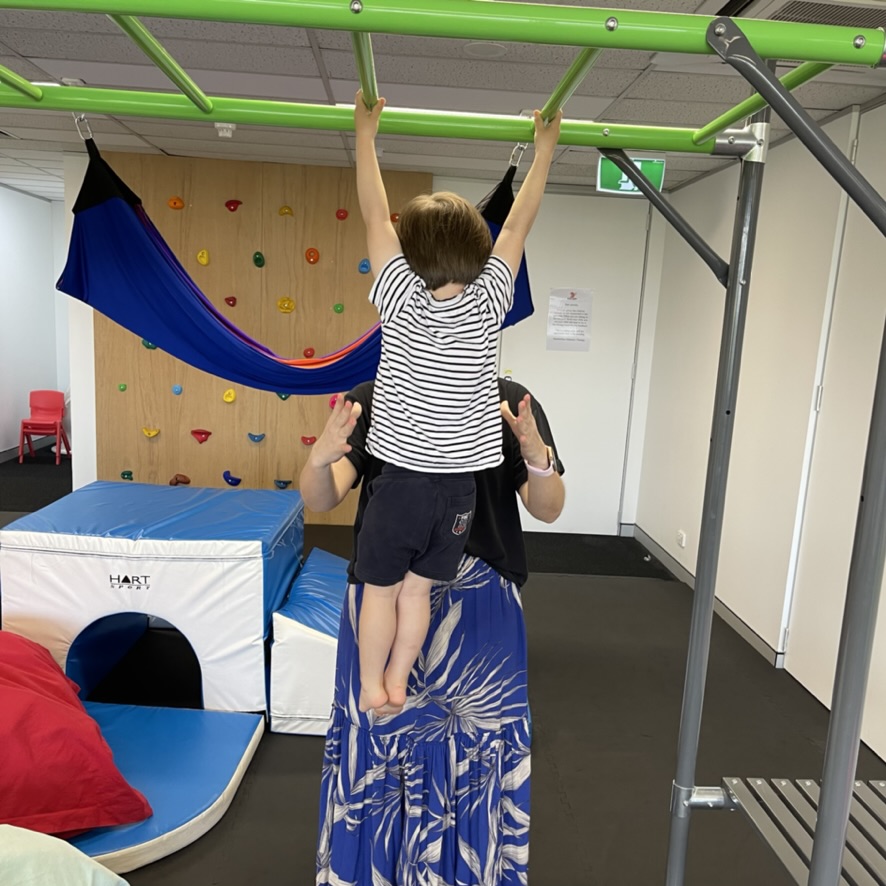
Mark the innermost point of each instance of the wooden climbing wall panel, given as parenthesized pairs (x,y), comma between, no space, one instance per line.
(261,223)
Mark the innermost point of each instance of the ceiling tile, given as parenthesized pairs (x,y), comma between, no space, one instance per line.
(225,32)
(661,85)
(663,112)
(467,74)
(22,66)
(254,151)
(60,22)
(57,120)
(833,97)
(243,135)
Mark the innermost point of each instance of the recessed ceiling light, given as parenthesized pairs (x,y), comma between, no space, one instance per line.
(485,49)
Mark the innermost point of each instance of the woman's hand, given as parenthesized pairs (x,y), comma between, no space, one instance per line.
(332,444)
(532,447)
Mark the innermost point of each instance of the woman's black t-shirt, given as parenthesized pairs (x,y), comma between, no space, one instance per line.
(496,532)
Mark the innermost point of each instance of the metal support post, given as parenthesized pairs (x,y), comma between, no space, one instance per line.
(157,53)
(683,228)
(735,49)
(856,646)
(735,312)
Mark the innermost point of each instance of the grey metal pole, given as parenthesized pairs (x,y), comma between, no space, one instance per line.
(869,548)
(735,312)
(856,646)
(682,227)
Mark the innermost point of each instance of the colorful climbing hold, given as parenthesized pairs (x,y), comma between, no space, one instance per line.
(148,345)
(231,301)
(285,305)
(312,256)
(229,396)
(309,441)
(341,214)
(177,389)
(285,210)
(282,484)
(180,480)
(364,267)
(333,400)
(203,257)
(256,438)
(283,396)
(338,308)
(121,387)
(175,203)
(150,432)
(258,259)
(232,205)
(308,352)
(395,217)
(201,435)
(231,480)
(125,475)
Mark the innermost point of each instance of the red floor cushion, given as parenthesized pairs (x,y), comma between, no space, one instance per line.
(57,774)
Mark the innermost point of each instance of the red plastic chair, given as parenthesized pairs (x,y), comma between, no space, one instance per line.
(47,412)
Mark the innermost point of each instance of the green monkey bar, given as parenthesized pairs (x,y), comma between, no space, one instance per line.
(593,29)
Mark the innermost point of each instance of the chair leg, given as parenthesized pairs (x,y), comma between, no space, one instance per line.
(21,446)
(58,444)
(30,441)
(66,441)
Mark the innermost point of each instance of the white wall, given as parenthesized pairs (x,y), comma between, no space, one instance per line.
(788,335)
(84,468)
(27,308)
(835,480)
(597,244)
(59,253)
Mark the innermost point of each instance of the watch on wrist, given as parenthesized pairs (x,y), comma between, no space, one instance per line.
(543,472)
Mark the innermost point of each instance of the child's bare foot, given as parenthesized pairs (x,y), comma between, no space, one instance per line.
(372,698)
(396,693)
(388,709)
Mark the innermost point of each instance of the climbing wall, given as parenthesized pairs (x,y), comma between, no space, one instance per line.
(280,250)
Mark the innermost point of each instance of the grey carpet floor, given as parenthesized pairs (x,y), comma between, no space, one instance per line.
(606,663)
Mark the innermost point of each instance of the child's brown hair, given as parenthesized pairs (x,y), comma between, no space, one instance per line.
(444,239)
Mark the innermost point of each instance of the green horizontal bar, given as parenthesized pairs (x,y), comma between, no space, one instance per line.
(798,76)
(394,121)
(18,83)
(506,21)
(365,67)
(572,79)
(157,53)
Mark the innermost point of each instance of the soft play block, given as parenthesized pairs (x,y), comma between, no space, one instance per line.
(213,563)
(303,653)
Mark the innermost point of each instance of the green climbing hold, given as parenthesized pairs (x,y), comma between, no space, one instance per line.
(121,387)
(148,345)
(125,475)
(258,259)
(284,396)
(338,308)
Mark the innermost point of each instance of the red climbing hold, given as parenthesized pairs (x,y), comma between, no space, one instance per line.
(201,435)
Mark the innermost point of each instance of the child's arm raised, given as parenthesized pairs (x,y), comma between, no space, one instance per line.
(381,238)
(509,245)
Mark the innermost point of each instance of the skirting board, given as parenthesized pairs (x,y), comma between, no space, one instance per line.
(681,574)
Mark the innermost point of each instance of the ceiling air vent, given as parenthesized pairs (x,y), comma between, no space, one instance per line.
(850,13)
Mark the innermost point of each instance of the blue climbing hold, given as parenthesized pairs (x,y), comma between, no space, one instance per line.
(231,480)
(364,267)
(282,484)
(176,389)
(256,438)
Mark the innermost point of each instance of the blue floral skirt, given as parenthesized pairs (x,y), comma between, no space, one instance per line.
(437,795)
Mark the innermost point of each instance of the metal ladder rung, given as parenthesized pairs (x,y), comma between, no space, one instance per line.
(785,815)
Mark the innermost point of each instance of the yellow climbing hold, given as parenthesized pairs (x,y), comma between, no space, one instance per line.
(203,257)
(150,432)
(285,210)
(229,396)
(285,305)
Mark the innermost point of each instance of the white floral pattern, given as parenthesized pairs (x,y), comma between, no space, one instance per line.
(437,795)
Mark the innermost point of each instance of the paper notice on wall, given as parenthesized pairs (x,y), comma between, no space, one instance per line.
(569,320)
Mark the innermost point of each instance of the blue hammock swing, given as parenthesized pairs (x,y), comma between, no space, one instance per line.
(119,265)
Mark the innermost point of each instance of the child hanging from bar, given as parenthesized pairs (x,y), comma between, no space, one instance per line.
(442,291)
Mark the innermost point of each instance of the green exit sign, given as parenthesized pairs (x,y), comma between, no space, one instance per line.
(611,180)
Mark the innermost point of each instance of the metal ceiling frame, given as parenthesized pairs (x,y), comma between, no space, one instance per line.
(745,48)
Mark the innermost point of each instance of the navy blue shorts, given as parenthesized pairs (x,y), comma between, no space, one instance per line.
(414,522)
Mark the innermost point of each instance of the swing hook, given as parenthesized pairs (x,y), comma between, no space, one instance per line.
(81,121)
(517,153)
